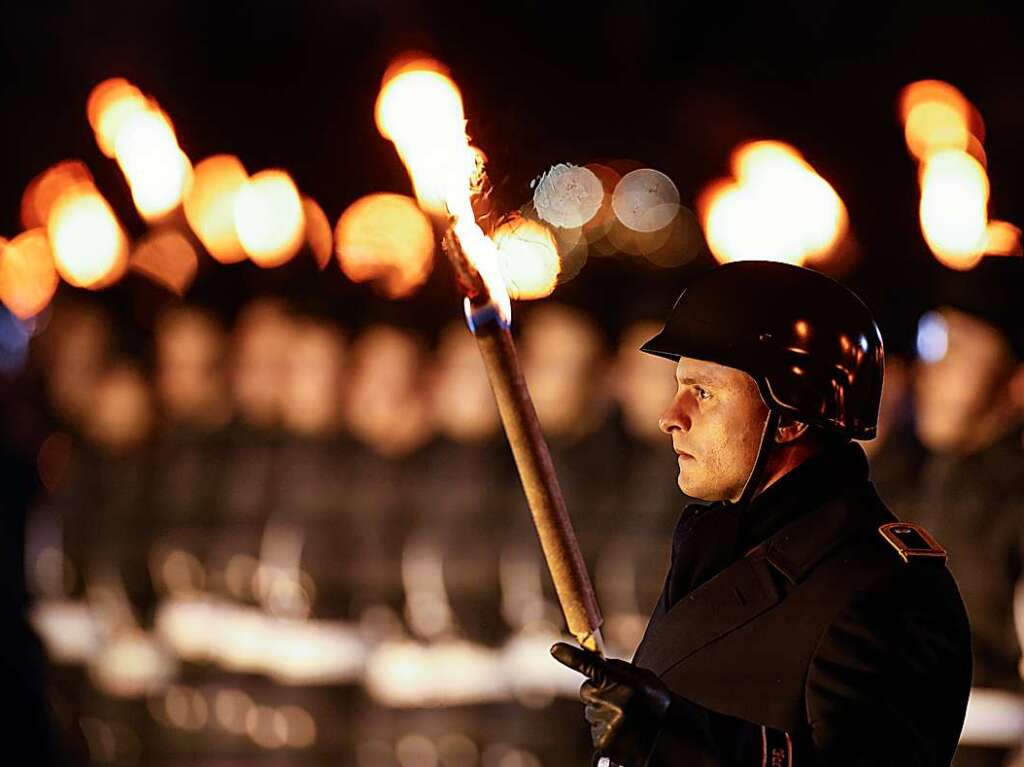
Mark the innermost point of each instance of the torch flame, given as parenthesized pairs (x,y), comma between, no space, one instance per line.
(775,208)
(420,110)
(110,104)
(167,258)
(528,256)
(89,246)
(1003,239)
(210,206)
(49,186)
(269,218)
(385,237)
(944,133)
(133,130)
(954,208)
(938,116)
(28,278)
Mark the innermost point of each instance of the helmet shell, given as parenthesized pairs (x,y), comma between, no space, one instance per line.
(811,344)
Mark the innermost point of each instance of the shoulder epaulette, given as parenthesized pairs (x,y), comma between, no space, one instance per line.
(912,541)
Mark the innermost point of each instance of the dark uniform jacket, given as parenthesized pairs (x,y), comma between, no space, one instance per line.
(795,633)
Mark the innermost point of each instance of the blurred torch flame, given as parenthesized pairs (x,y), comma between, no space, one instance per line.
(28,278)
(1003,239)
(89,245)
(48,187)
(776,207)
(210,206)
(944,132)
(318,232)
(419,109)
(937,116)
(528,258)
(954,207)
(134,130)
(385,237)
(168,258)
(269,218)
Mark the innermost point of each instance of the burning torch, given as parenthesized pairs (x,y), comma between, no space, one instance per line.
(420,110)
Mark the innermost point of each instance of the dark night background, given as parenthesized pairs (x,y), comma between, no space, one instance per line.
(672,85)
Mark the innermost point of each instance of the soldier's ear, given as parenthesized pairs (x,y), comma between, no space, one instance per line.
(789,430)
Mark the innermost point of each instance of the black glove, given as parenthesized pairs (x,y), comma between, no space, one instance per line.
(626,705)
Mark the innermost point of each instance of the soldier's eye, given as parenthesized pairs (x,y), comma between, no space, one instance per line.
(703,394)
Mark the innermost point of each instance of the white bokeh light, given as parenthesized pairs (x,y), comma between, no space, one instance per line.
(645,200)
(568,196)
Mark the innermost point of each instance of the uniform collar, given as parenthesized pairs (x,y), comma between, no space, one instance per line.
(815,499)
(806,487)
(710,538)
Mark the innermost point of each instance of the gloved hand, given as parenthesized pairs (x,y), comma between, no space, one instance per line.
(626,705)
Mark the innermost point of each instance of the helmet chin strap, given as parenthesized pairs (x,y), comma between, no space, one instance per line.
(753,483)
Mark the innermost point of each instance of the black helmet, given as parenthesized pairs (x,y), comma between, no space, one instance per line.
(811,344)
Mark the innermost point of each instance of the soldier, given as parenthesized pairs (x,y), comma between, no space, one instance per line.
(800,622)
(970,488)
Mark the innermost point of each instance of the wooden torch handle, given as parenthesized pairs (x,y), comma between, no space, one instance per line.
(543,494)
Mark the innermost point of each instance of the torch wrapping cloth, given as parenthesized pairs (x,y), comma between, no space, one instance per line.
(537,473)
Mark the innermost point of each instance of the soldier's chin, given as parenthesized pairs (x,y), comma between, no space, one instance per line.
(689,487)
(692,487)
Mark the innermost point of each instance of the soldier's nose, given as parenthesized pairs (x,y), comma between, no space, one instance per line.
(673,420)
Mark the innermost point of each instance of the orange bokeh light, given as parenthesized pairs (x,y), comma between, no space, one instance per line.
(945,132)
(89,246)
(110,104)
(210,206)
(954,208)
(132,129)
(1002,239)
(168,258)
(937,116)
(28,278)
(46,188)
(318,232)
(776,208)
(528,258)
(386,238)
(158,172)
(269,218)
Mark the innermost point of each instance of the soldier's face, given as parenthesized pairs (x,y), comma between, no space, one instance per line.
(959,392)
(715,421)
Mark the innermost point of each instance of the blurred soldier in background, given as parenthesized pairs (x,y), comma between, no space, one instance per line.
(259,348)
(74,350)
(387,417)
(386,413)
(971,488)
(465,475)
(300,580)
(565,365)
(195,408)
(121,425)
(190,373)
